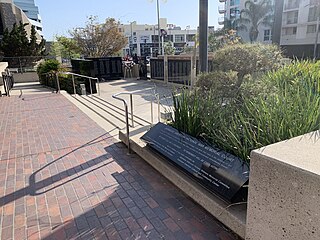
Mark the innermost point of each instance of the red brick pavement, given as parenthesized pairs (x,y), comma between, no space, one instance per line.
(63,177)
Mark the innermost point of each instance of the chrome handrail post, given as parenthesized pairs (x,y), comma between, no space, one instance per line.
(98,86)
(127,118)
(58,84)
(131,105)
(90,85)
(74,86)
(127,124)
(151,112)
(158,100)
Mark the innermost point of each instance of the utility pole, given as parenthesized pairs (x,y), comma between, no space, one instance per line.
(203,35)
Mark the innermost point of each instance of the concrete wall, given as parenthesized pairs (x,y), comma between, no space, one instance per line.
(3,66)
(25,77)
(284,191)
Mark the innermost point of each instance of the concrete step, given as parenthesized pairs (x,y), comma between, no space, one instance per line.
(117,110)
(95,114)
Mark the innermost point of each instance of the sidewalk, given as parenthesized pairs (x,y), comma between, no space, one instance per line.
(64,177)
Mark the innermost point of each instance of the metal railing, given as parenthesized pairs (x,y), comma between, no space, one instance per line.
(116,96)
(82,76)
(8,82)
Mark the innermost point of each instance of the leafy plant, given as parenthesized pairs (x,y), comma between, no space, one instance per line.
(16,43)
(99,40)
(169,49)
(248,59)
(289,108)
(187,112)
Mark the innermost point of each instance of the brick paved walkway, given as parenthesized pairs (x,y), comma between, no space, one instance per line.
(63,177)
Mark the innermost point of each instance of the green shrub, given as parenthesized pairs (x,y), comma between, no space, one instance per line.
(289,108)
(248,59)
(222,83)
(187,112)
(48,66)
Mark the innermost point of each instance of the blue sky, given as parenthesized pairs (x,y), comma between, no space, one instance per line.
(59,16)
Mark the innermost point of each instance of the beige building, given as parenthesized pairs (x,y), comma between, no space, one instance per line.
(143,39)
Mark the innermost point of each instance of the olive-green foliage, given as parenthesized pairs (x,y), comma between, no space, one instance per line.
(187,113)
(222,83)
(248,59)
(47,75)
(289,108)
(48,66)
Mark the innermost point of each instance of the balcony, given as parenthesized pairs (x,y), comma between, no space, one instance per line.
(221,20)
(222,9)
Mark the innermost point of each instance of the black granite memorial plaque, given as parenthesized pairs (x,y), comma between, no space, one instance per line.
(219,171)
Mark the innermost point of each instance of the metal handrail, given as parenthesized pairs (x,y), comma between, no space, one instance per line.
(83,76)
(115,96)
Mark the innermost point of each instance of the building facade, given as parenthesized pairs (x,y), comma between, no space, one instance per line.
(32,12)
(294,25)
(143,39)
(11,14)
(298,32)
(230,11)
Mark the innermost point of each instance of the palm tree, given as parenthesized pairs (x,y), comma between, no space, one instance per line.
(256,14)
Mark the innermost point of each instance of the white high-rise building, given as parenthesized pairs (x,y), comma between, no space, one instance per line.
(231,10)
(32,12)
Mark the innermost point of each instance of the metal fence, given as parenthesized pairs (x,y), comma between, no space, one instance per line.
(176,69)
(22,64)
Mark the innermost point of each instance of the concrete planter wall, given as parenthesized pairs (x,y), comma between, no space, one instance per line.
(284,190)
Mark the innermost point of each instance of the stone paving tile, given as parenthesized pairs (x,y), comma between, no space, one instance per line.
(63,177)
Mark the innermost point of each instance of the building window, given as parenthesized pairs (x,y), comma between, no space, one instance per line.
(314,2)
(292,17)
(234,13)
(234,2)
(267,35)
(191,37)
(312,14)
(289,31)
(292,4)
(179,38)
(155,38)
(311,28)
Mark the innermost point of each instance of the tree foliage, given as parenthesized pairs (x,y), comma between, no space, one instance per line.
(254,15)
(99,40)
(65,48)
(248,58)
(169,49)
(16,43)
